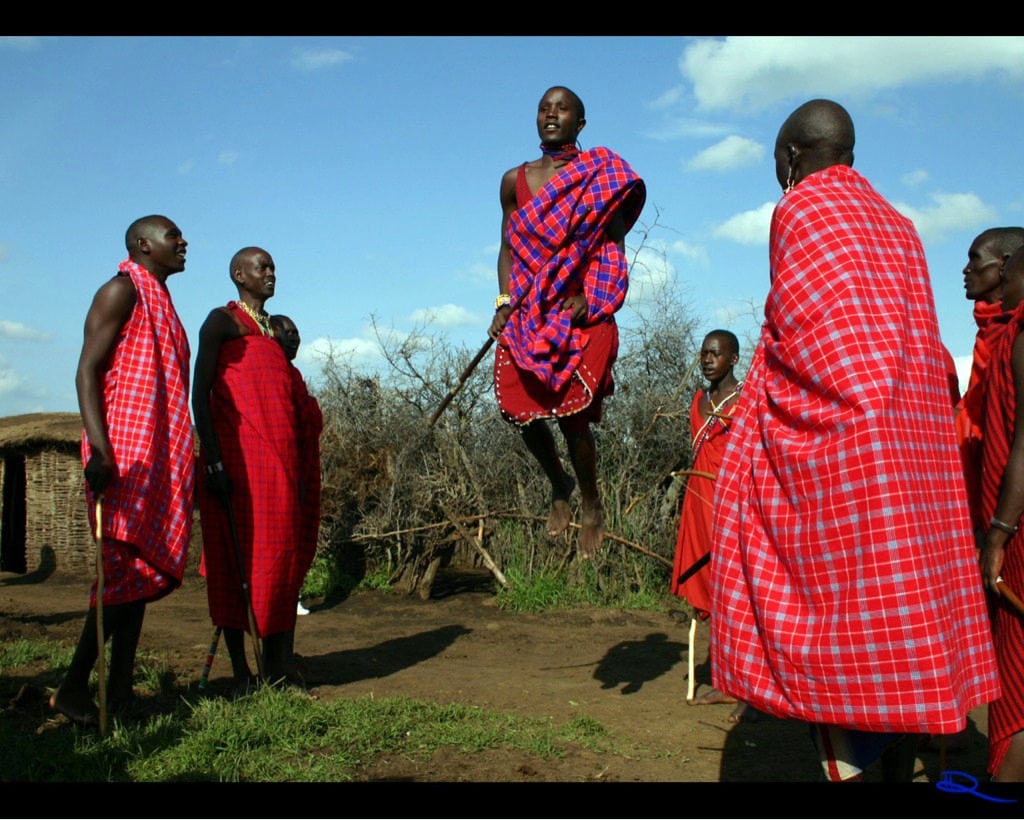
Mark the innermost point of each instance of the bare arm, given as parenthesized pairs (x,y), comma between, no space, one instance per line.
(1011,494)
(218,328)
(110,310)
(507,195)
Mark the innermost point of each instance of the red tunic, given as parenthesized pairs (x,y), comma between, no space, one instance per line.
(1005,715)
(257,422)
(147,508)
(694,539)
(845,586)
(544,367)
(969,411)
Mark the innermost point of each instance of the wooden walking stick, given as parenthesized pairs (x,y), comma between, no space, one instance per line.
(462,380)
(101,658)
(1010,596)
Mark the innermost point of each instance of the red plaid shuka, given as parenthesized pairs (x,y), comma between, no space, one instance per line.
(845,587)
(257,423)
(147,508)
(1005,715)
(559,246)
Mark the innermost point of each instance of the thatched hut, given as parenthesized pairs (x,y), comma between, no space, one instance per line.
(42,512)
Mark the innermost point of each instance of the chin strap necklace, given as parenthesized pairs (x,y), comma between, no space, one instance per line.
(262,321)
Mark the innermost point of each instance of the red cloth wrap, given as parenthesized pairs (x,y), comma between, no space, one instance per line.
(694,539)
(257,421)
(1005,715)
(970,409)
(845,586)
(147,508)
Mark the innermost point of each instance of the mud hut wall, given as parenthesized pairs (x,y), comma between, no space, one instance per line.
(56,513)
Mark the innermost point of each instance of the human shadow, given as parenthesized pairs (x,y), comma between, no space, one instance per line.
(47,566)
(633,663)
(381,660)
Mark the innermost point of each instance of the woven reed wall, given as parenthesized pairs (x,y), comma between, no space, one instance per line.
(56,512)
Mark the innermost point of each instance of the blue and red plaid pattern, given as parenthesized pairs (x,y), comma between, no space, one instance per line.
(559,248)
(845,587)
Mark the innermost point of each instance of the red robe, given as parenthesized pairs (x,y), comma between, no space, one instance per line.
(1005,715)
(970,411)
(147,508)
(709,438)
(258,425)
(845,585)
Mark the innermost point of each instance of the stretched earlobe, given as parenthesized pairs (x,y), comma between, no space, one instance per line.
(790,181)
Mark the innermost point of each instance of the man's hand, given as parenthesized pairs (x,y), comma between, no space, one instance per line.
(99,472)
(578,305)
(499,321)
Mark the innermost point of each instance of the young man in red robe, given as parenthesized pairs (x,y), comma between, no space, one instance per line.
(138,454)
(1002,499)
(562,275)
(845,586)
(249,426)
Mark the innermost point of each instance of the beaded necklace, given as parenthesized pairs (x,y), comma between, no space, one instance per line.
(262,322)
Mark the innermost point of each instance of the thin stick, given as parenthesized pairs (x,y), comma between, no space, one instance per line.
(462,380)
(1010,596)
(101,658)
(209,658)
(691,671)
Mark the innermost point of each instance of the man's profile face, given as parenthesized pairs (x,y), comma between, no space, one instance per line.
(982,273)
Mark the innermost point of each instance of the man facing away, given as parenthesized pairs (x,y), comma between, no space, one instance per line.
(562,275)
(138,454)
(845,587)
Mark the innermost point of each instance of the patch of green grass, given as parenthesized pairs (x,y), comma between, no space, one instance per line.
(21,652)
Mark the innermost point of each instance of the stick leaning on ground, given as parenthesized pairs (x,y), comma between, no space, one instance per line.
(245,590)
(101,658)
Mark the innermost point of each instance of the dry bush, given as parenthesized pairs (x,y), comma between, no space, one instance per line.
(409,498)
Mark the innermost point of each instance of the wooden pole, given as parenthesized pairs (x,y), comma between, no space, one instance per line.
(101,656)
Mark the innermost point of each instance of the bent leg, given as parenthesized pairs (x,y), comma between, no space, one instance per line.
(72,697)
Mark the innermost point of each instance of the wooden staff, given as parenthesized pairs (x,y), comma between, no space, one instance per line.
(245,590)
(101,658)
(1010,596)
(462,380)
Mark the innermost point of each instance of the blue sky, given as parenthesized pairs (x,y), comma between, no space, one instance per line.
(369,168)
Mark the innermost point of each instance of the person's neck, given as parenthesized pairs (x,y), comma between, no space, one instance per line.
(560,153)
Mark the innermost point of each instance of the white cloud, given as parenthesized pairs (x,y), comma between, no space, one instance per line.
(3,253)
(20,332)
(677,127)
(227,157)
(186,166)
(357,352)
(949,213)
(445,316)
(668,99)
(649,275)
(752,73)
(316,59)
(913,179)
(749,227)
(732,152)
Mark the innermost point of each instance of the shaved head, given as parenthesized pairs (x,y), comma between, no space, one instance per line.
(143,228)
(816,135)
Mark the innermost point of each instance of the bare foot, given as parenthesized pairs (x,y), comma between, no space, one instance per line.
(710,696)
(744,713)
(76,706)
(591,531)
(561,512)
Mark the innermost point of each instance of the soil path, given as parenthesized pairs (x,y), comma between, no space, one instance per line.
(625,670)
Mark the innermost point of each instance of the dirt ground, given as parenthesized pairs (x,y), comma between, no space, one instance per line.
(625,670)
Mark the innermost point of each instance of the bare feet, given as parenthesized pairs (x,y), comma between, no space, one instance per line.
(710,696)
(591,531)
(744,713)
(76,706)
(561,513)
